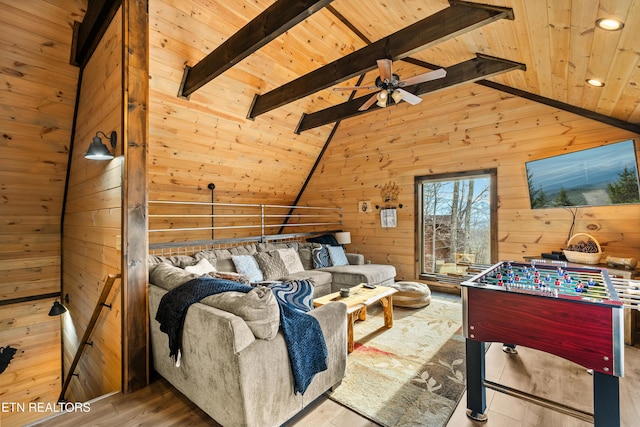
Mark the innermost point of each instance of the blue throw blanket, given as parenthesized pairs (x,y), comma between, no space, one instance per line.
(305,343)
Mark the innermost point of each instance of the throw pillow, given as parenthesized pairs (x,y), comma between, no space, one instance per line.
(325,239)
(291,260)
(234,277)
(247,265)
(337,255)
(202,267)
(271,264)
(297,294)
(305,252)
(180,260)
(224,261)
(210,255)
(321,257)
(258,308)
(168,276)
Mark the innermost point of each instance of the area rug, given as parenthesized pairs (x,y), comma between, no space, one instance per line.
(412,374)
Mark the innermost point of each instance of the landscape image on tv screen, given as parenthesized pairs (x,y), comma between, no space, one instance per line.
(599,176)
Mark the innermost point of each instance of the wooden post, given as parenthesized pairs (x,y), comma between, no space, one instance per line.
(135,81)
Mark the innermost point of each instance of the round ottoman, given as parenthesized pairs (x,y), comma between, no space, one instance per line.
(411,294)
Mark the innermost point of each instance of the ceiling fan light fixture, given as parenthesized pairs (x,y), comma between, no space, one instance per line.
(382,98)
(609,24)
(396,96)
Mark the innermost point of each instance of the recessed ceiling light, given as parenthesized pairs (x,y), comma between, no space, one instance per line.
(609,24)
(595,82)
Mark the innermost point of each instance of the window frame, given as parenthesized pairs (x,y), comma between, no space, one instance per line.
(492,173)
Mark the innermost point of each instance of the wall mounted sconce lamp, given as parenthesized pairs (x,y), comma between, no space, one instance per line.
(57,309)
(98,151)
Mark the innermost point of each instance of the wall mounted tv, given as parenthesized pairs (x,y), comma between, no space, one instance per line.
(601,176)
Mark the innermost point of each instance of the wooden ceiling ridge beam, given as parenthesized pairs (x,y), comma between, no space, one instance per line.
(278,18)
(480,67)
(460,17)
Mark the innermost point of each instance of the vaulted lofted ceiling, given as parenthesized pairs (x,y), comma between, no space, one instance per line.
(558,44)
(209,135)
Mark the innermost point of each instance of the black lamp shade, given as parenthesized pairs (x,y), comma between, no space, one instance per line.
(57,309)
(98,151)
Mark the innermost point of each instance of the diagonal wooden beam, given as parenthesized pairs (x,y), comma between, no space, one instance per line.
(457,19)
(88,33)
(482,66)
(275,20)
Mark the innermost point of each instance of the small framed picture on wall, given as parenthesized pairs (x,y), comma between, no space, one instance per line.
(364,206)
(388,218)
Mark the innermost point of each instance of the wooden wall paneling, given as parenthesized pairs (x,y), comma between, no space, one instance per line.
(492,131)
(34,372)
(93,224)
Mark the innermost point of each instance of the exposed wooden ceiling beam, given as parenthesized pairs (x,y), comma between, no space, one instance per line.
(612,121)
(88,33)
(482,66)
(457,19)
(275,20)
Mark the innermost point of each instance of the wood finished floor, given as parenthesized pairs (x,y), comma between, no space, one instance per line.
(541,374)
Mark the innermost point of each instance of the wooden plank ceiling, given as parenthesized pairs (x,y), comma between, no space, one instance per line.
(556,40)
(208,138)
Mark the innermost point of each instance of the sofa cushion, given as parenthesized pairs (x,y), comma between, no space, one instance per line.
(247,265)
(318,277)
(154,259)
(351,275)
(297,294)
(291,260)
(202,267)
(355,259)
(168,276)
(208,255)
(337,255)
(258,308)
(321,257)
(266,247)
(271,265)
(224,260)
(305,251)
(180,261)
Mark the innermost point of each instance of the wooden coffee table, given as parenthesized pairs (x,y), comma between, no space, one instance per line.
(357,302)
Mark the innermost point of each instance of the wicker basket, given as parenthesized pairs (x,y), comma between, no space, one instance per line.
(583,257)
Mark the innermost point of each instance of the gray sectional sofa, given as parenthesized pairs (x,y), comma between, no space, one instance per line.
(234,362)
(325,279)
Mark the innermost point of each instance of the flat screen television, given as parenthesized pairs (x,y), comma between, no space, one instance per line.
(606,175)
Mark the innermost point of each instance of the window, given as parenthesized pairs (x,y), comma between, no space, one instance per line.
(457,221)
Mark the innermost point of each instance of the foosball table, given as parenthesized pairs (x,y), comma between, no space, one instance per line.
(570,312)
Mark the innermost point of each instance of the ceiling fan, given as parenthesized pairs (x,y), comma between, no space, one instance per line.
(391,86)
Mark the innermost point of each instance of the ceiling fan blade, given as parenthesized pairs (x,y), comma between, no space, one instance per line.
(409,97)
(354,87)
(385,69)
(425,77)
(369,102)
